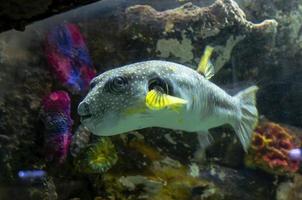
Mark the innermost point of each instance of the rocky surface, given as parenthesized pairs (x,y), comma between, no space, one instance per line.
(279,67)
(290,189)
(257,41)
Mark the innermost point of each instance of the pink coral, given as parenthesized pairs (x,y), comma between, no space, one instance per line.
(57,122)
(57,101)
(269,149)
(68,57)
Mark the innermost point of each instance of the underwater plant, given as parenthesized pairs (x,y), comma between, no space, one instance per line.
(57,122)
(68,57)
(270,149)
(97,157)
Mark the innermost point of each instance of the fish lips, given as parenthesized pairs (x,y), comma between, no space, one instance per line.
(87,121)
(85,117)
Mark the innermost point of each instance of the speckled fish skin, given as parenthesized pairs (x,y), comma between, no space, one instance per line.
(105,113)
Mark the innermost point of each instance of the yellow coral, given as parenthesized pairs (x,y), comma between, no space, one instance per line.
(260,141)
(98,157)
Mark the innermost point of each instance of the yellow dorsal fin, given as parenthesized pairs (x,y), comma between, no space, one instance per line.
(205,66)
(157,100)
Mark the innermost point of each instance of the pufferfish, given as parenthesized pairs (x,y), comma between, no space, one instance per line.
(168,95)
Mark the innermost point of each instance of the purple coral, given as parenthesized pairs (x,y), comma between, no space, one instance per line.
(295,154)
(57,121)
(68,57)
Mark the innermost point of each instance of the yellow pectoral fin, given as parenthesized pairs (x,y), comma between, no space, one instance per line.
(205,66)
(155,100)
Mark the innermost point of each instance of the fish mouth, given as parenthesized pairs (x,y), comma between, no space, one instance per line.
(85,117)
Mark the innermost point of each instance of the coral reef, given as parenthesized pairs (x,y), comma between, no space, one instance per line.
(57,122)
(97,157)
(121,32)
(270,147)
(69,58)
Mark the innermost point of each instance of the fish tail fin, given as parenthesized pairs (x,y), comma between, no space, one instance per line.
(248,117)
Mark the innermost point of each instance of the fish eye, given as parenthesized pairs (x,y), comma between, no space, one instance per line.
(92,84)
(117,84)
(159,84)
